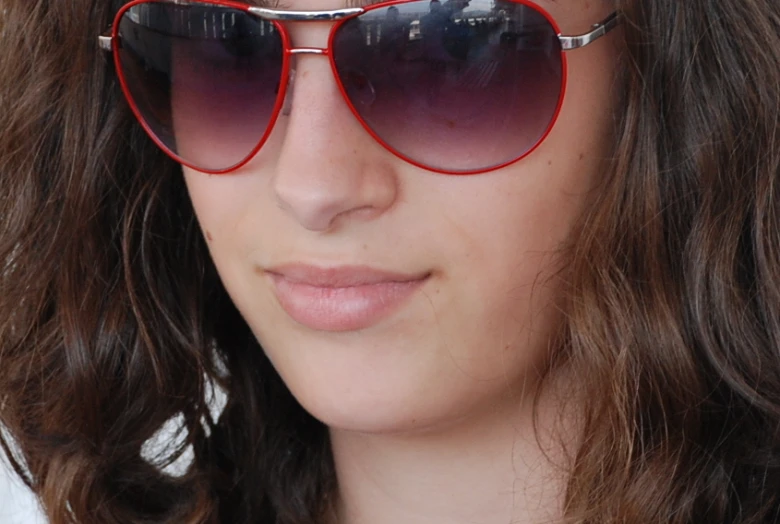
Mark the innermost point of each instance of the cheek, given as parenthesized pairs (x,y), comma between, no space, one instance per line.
(511,231)
(223,205)
(506,253)
(211,198)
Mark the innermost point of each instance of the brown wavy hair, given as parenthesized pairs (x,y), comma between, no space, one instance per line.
(113,320)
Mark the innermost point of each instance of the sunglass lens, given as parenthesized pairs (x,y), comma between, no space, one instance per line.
(204,79)
(456,85)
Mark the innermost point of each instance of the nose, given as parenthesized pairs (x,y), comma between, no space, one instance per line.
(329,170)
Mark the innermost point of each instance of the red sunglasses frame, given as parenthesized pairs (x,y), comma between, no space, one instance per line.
(339,17)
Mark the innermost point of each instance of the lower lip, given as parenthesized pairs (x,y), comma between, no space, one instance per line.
(341,309)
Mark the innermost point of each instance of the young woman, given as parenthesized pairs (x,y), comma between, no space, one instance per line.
(520,265)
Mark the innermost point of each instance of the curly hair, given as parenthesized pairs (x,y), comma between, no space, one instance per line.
(113,320)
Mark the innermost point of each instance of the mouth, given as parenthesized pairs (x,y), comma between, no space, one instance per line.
(341,299)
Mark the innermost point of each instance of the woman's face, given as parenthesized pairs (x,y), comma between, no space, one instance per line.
(393,299)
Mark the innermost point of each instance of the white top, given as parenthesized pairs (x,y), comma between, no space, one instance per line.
(17,503)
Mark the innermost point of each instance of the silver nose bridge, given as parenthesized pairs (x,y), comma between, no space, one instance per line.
(308,51)
(306,16)
(303,16)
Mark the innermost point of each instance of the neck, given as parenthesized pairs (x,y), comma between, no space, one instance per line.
(492,468)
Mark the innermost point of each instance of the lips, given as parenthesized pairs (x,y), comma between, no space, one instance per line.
(348,298)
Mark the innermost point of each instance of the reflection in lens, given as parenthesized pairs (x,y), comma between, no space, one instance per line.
(457,85)
(204,78)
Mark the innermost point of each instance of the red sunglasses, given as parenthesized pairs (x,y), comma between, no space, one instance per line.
(451,86)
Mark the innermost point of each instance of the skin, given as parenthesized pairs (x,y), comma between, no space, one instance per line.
(429,409)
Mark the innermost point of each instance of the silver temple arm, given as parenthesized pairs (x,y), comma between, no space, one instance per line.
(306,16)
(602,28)
(104,41)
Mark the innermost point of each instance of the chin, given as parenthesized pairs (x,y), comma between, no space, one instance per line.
(387,399)
(361,402)
(406,375)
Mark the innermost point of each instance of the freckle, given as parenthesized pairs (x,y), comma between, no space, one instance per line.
(549,163)
(582,156)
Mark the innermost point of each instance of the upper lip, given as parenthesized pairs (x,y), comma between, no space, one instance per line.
(341,276)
